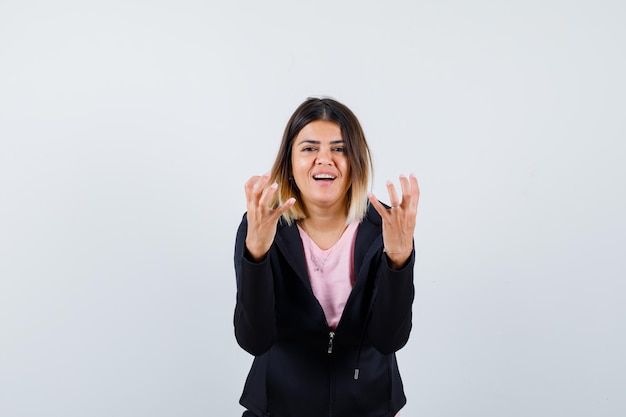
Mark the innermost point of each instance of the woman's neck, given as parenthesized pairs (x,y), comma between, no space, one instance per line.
(325,229)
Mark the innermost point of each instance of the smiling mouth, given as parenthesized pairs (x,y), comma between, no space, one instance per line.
(324,177)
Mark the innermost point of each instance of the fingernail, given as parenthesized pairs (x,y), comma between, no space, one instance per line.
(291,200)
(389,182)
(274,186)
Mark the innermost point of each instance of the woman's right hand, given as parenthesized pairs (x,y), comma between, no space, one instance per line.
(262,219)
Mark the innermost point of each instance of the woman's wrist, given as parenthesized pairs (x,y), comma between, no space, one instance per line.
(398,259)
(397,252)
(255,251)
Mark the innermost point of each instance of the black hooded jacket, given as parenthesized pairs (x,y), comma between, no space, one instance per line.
(302,368)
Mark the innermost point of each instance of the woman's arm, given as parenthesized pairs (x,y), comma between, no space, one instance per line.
(254,317)
(390,322)
(254,311)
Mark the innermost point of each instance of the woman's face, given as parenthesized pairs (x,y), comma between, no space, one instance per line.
(320,165)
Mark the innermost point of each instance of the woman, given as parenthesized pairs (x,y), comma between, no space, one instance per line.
(324,279)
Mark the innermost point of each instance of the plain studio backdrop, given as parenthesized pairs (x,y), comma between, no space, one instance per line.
(128,129)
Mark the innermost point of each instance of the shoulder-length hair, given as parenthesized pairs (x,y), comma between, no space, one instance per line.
(357,150)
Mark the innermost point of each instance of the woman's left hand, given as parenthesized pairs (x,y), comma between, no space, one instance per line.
(399,220)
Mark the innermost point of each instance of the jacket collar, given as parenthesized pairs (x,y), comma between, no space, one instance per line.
(289,244)
(368,242)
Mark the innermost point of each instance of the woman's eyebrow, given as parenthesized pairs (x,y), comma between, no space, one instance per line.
(317,142)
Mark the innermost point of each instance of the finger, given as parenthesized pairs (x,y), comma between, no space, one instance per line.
(261,183)
(280,210)
(254,187)
(415,191)
(267,194)
(406,190)
(249,189)
(382,210)
(250,183)
(393,196)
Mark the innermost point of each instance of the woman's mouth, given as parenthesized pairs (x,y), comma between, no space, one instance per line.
(323,177)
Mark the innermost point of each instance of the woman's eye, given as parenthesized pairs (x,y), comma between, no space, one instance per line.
(308,149)
(340,149)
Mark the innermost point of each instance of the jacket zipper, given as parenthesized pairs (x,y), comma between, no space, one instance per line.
(331,338)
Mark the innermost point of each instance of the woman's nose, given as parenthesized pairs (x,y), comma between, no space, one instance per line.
(324,156)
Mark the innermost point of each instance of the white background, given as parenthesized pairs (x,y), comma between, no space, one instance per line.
(128,129)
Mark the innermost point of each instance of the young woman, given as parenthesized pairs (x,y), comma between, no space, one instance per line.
(324,275)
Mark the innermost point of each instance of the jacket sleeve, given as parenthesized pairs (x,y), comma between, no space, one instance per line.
(254,318)
(391,315)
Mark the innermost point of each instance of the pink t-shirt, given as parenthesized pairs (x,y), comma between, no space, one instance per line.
(331,272)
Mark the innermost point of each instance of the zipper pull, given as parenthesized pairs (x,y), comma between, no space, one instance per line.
(331,336)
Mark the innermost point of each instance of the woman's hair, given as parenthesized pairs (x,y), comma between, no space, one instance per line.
(357,151)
